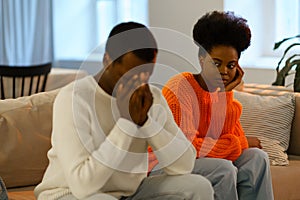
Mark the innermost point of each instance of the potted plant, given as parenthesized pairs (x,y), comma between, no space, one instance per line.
(290,62)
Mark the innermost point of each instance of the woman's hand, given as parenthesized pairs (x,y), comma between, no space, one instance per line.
(237,79)
(254,142)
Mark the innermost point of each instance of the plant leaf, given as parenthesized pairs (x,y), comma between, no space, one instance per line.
(280,78)
(297,78)
(285,52)
(277,44)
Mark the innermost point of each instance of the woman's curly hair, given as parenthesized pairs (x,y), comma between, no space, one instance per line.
(222,28)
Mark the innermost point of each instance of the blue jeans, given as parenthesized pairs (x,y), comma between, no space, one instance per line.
(178,187)
(163,187)
(248,178)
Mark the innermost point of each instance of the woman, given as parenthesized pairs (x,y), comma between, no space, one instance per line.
(203,107)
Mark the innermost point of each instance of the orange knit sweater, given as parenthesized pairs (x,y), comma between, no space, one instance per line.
(210,120)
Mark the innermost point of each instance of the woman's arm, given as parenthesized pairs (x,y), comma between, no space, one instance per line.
(226,146)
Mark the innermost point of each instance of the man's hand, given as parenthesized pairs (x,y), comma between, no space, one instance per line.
(254,142)
(237,80)
(134,100)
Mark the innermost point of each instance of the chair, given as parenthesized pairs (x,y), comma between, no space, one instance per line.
(15,79)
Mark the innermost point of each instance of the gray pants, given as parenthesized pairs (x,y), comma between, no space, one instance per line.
(181,187)
(248,178)
(163,187)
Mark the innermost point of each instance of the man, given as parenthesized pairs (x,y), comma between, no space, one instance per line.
(103,125)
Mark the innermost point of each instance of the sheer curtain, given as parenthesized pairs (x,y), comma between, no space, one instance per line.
(25,32)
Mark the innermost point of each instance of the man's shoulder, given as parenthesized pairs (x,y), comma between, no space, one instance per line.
(78,86)
(82,83)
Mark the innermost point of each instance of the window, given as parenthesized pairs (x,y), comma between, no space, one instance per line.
(270,21)
(78,28)
(112,12)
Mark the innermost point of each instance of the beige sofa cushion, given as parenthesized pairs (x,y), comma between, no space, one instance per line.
(285,181)
(267,90)
(258,119)
(25,129)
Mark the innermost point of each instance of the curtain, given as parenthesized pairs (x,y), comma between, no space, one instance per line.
(25,32)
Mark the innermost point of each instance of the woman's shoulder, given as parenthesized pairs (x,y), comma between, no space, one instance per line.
(179,81)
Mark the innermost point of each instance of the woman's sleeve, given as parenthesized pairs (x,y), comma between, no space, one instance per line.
(227,146)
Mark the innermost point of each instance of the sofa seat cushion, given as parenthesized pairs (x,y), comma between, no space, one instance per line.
(285,180)
(25,132)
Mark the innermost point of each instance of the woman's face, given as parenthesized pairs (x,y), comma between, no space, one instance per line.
(219,66)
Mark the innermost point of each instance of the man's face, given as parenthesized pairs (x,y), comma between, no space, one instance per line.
(132,68)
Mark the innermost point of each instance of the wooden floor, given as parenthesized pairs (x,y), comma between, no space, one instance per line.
(24,195)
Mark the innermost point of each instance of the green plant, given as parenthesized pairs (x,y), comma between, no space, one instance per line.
(290,62)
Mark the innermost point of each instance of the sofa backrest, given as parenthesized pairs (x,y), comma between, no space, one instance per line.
(25,131)
(267,90)
(294,148)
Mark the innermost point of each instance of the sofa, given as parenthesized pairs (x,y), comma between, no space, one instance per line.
(25,132)
(285,178)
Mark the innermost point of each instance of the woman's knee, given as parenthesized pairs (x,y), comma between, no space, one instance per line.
(214,165)
(216,170)
(257,155)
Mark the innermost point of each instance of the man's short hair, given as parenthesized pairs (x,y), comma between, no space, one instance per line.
(131,37)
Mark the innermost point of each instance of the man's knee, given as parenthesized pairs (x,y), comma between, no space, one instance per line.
(200,186)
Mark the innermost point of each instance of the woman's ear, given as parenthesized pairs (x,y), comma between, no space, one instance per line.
(106,60)
(201,60)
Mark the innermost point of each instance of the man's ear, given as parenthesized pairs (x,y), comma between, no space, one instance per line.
(106,60)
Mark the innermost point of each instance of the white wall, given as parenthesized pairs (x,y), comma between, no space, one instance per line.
(263,76)
(178,18)
(181,15)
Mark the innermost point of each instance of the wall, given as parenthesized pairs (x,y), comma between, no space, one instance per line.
(180,16)
(263,76)
(177,18)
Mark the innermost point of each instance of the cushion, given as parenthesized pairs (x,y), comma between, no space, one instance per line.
(294,148)
(25,129)
(285,181)
(270,119)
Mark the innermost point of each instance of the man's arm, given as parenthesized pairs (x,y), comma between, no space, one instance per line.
(82,162)
(173,151)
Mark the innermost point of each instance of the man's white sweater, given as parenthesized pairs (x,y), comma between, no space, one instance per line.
(96,151)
